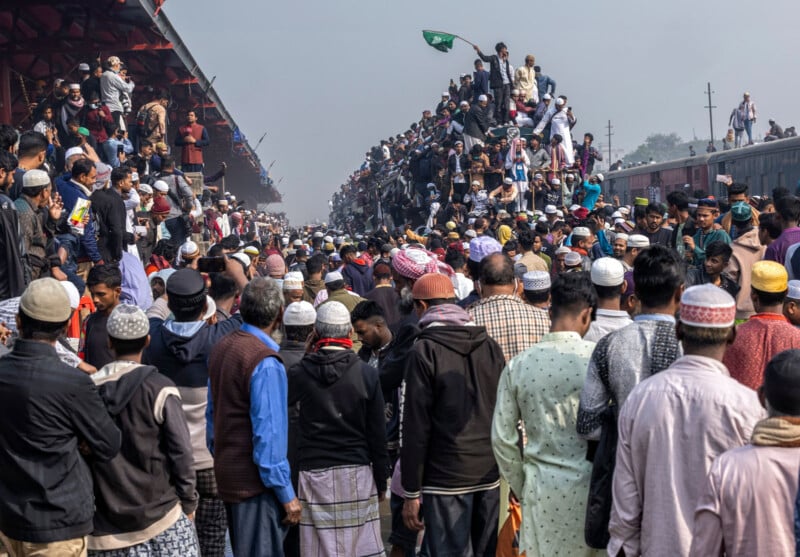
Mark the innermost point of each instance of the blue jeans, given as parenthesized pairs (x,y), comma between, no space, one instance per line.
(748,127)
(72,246)
(459,525)
(255,525)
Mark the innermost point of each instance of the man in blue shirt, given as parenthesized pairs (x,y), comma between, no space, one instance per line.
(247,426)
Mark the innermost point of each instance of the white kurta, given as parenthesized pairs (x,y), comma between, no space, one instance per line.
(224,224)
(671,428)
(559,124)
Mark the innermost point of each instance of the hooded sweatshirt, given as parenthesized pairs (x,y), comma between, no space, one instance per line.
(451,388)
(342,420)
(141,491)
(747,249)
(180,350)
(358,275)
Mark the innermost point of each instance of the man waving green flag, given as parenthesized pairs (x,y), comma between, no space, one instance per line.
(438,40)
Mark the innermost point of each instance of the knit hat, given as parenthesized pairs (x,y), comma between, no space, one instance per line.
(35,178)
(412,263)
(333,313)
(300,314)
(769,276)
(46,300)
(190,250)
(533,281)
(333,276)
(782,383)
(127,322)
(433,286)
(741,211)
(708,307)
(607,271)
(275,265)
(482,246)
(293,281)
(160,206)
(573,259)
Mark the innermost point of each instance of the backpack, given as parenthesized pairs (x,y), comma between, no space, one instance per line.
(145,120)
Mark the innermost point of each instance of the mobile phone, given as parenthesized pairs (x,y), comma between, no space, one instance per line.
(211,264)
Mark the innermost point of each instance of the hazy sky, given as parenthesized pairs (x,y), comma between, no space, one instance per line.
(329,79)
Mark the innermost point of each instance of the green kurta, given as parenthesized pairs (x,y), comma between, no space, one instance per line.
(542,386)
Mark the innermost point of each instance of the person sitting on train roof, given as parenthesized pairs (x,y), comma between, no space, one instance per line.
(775,131)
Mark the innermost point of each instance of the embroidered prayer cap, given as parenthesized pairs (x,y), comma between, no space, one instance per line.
(782,383)
(794,290)
(298,314)
(433,286)
(607,271)
(145,188)
(293,281)
(638,241)
(741,211)
(533,281)
(769,276)
(412,263)
(333,313)
(707,306)
(482,246)
(333,276)
(581,231)
(46,300)
(35,178)
(573,259)
(127,322)
(190,250)
(186,283)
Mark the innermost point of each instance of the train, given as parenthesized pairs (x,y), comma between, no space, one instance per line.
(762,167)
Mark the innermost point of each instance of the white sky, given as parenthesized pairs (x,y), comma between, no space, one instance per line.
(329,79)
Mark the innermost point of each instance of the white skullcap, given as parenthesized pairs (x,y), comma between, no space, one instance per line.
(127,322)
(542,219)
(333,276)
(161,185)
(550,209)
(555,182)
(293,280)
(536,280)
(73,151)
(616,215)
(333,313)
(794,290)
(482,98)
(547,97)
(189,249)
(211,308)
(560,213)
(243,257)
(145,188)
(619,220)
(607,271)
(707,306)
(573,208)
(300,314)
(622,236)
(559,101)
(573,259)
(638,241)
(624,210)
(562,250)
(72,292)
(581,231)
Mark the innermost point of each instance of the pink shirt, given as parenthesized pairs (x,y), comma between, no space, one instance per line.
(747,507)
(671,428)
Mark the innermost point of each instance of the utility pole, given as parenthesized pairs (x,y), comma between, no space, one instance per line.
(710,108)
(609,134)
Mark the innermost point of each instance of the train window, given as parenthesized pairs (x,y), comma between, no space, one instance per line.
(781,180)
(764,184)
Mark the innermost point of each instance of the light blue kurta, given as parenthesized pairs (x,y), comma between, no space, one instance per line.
(542,386)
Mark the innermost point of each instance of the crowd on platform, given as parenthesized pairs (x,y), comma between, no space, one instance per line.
(529,346)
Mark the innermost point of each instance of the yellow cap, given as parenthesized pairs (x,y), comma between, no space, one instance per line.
(643,201)
(450,225)
(769,276)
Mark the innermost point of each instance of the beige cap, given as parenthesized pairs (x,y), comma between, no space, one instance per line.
(46,300)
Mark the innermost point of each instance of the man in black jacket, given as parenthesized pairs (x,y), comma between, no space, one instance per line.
(451,376)
(109,209)
(476,123)
(457,167)
(501,76)
(47,410)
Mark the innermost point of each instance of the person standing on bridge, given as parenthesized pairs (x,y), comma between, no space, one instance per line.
(192,137)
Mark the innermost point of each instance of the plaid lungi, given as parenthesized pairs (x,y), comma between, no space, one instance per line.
(179,540)
(340,512)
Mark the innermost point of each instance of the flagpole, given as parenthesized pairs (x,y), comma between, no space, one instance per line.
(456,36)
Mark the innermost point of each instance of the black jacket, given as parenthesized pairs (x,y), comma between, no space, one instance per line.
(341,413)
(463,161)
(153,471)
(451,377)
(112,236)
(495,77)
(12,282)
(47,409)
(476,122)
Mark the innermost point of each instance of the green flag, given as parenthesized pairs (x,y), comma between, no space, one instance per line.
(439,41)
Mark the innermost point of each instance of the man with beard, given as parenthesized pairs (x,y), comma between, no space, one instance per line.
(11,279)
(653,229)
(72,108)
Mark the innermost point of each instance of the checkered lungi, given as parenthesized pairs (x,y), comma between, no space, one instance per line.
(210,518)
(340,512)
(179,540)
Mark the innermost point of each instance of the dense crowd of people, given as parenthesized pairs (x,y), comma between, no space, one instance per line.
(529,347)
